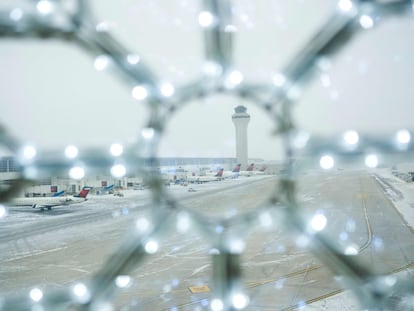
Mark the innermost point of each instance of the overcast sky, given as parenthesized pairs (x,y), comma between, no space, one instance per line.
(52,96)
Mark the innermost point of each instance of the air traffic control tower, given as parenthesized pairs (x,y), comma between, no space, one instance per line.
(241,119)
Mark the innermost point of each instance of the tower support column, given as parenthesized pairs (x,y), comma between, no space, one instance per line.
(240,120)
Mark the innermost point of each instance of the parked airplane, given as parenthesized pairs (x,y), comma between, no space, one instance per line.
(236,169)
(250,171)
(261,171)
(49,202)
(105,190)
(234,173)
(202,179)
(220,175)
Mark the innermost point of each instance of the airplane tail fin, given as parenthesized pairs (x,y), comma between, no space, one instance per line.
(84,192)
(250,167)
(58,194)
(110,187)
(219,173)
(237,168)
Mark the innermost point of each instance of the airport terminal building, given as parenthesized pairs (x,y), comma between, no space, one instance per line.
(172,169)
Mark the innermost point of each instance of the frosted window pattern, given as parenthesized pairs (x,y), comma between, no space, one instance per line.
(74,22)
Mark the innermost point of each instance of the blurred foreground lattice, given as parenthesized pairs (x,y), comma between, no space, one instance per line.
(74,22)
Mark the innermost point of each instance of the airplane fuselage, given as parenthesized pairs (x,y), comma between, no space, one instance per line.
(45,202)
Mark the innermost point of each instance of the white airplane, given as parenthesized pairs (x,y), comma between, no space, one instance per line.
(232,174)
(49,202)
(250,171)
(220,175)
(236,169)
(261,171)
(202,179)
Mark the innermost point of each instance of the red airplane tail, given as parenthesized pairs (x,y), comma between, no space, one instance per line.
(250,167)
(83,193)
(237,168)
(219,173)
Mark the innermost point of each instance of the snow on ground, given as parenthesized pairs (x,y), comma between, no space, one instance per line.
(401,193)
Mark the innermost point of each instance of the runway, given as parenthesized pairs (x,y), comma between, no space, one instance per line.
(59,247)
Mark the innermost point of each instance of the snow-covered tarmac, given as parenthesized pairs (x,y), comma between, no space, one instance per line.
(401,193)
